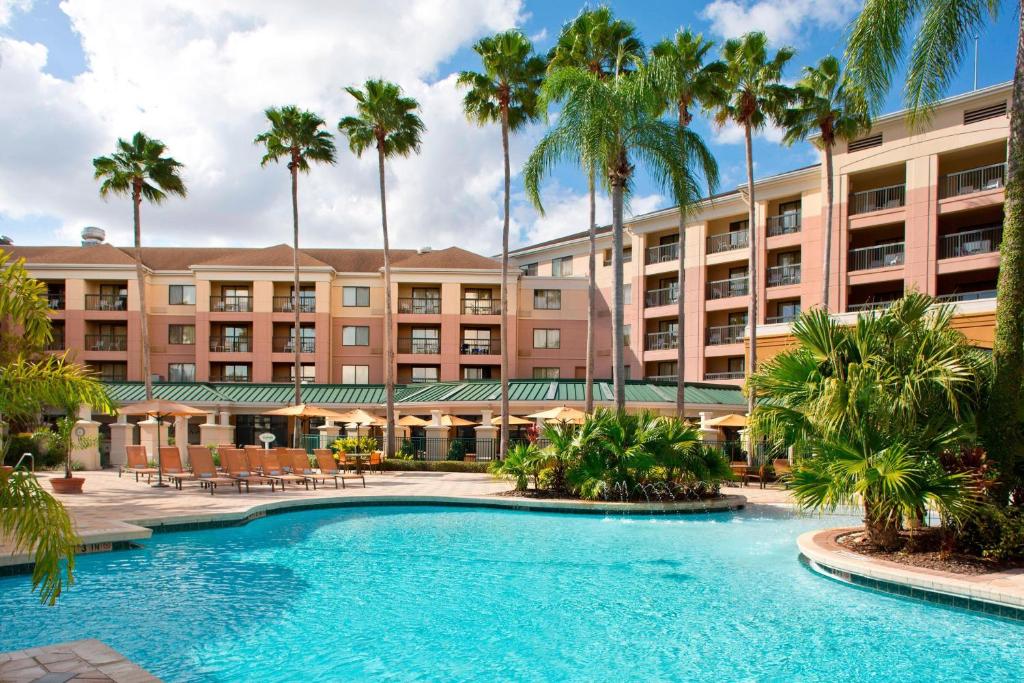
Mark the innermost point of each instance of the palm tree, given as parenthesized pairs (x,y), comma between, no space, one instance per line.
(505,93)
(686,81)
(943,31)
(828,105)
(752,96)
(598,42)
(300,137)
(387,120)
(140,170)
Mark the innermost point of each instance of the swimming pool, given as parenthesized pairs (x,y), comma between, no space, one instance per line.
(433,593)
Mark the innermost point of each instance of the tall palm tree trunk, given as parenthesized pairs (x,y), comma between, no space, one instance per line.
(503,448)
(618,368)
(588,390)
(752,269)
(295,297)
(389,351)
(826,265)
(1003,426)
(140,279)
(680,326)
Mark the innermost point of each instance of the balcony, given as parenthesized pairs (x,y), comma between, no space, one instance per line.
(287,344)
(419,346)
(478,307)
(780,319)
(662,341)
(286,304)
(663,253)
(55,302)
(881,256)
(968,243)
(231,304)
(779,276)
(891,197)
(232,377)
(727,241)
(870,306)
(662,378)
(480,347)
(419,306)
(734,286)
(966,296)
(55,344)
(973,180)
(724,334)
(106,342)
(106,302)
(715,376)
(219,344)
(784,224)
(665,296)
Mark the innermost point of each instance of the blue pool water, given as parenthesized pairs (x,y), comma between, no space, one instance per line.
(424,594)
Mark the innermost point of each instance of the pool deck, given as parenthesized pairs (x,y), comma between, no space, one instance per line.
(79,660)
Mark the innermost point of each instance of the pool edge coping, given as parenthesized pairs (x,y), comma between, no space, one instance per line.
(972,592)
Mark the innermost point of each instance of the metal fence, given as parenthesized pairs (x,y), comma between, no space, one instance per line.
(663,253)
(784,224)
(967,296)
(779,276)
(978,241)
(662,341)
(232,304)
(734,286)
(419,345)
(727,241)
(307,304)
(724,334)
(106,342)
(419,305)
(106,302)
(481,307)
(891,197)
(881,256)
(979,179)
(665,296)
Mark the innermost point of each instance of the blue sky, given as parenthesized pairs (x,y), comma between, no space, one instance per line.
(86,72)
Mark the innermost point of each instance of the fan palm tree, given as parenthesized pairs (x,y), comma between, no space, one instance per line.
(598,42)
(679,67)
(942,33)
(387,120)
(752,97)
(139,169)
(505,93)
(300,137)
(831,107)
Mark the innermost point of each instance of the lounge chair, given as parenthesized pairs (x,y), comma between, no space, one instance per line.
(138,463)
(273,469)
(328,468)
(237,467)
(204,471)
(782,468)
(297,463)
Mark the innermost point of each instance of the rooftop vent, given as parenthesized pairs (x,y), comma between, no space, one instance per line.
(864,143)
(989,112)
(6,241)
(423,250)
(92,236)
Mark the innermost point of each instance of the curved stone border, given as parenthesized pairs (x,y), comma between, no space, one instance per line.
(1000,593)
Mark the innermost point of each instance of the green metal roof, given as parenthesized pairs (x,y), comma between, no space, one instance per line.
(520,390)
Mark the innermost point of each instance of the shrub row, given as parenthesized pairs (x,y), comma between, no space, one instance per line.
(399,465)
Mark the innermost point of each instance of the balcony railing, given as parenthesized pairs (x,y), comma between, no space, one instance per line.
(286,304)
(480,307)
(480,347)
(870,306)
(882,256)
(665,296)
(234,377)
(728,241)
(891,197)
(55,344)
(106,302)
(779,319)
(410,345)
(106,342)
(55,302)
(419,305)
(779,276)
(662,341)
(663,253)
(734,286)
(967,296)
(784,224)
(662,378)
(222,344)
(287,344)
(972,180)
(970,242)
(725,334)
(731,374)
(231,304)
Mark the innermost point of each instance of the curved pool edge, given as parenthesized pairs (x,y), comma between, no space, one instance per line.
(998,594)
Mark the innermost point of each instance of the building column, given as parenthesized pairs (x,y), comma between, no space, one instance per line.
(122,433)
(486,436)
(329,433)
(148,436)
(708,433)
(181,438)
(213,434)
(437,437)
(88,430)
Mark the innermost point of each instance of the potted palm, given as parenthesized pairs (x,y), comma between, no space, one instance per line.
(65,440)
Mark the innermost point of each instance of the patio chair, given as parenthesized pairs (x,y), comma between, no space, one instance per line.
(273,469)
(138,463)
(328,468)
(297,463)
(204,471)
(740,470)
(782,468)
(376,461)
(237,468)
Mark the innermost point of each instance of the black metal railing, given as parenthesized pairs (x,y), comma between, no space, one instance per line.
(480,347)
(481,307)
(436,449)
(414,345)
(663,253)
(727,241)
(734,286)
(881,256)
(978,241)
(724,334)
(777,319)
(731,374)
(879,305)
(286,304)
(230,344)
(990,177)
(55,302)
(666,296)
(891,197)
(784,224)
(231,304)
(662,378)
(106,342)
(662,341)
(55,344)
(967,296)
(287,344)
(418,305)
(236,377)
(779,276)
(106,302)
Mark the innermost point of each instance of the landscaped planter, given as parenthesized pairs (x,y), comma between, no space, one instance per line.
(67,484)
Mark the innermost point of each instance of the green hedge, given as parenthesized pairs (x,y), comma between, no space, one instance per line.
(399,465)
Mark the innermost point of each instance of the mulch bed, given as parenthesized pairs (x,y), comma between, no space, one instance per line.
(927,556)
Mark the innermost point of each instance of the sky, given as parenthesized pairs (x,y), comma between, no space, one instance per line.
(198,74)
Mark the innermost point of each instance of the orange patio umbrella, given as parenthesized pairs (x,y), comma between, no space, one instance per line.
(158,408)
(561,414)
(512,420)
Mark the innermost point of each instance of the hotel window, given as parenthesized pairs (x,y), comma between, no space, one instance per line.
(736,364)
(234,373)
(308,373)
(627,294)
(355,374)
(547,339)
(181,372)
(476,340)
(529,268)
(545,373)
(355,335)
(476,373)
(184,295)
(561,267)
(627,255)
(181,334)
(355,296)
(547,299)
(627,331)
(422,375)
(627,372)
(478,302)
(788,310)
(110,372)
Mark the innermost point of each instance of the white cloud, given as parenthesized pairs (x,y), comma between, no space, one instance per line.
(783,21)
(732,134)
(9,7)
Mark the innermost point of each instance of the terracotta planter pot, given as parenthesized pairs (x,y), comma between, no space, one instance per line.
(63,485)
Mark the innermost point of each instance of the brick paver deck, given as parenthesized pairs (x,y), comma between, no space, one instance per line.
(79,660)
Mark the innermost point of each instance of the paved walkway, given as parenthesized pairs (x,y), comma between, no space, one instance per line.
(79,660)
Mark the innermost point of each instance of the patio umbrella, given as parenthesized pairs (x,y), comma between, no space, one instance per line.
(412,421)
(159,409)
(731,420)
(358,418)
(453,421)
(304,410)
(512,420)
(560,414)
